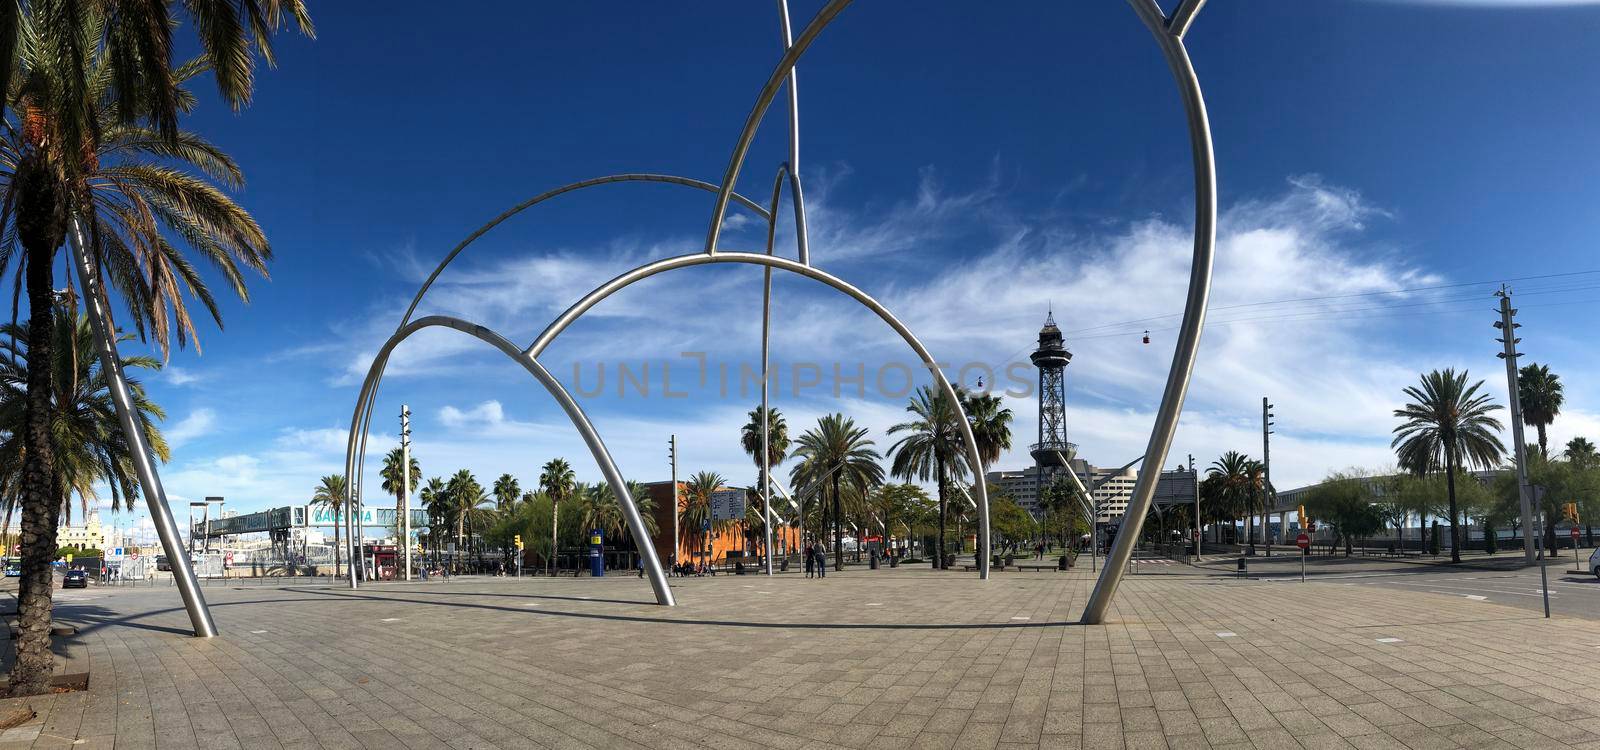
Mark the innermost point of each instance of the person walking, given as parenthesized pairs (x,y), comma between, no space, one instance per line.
(810,561)
(822,564)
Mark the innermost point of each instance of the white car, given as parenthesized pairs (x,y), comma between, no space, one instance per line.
(1594,562)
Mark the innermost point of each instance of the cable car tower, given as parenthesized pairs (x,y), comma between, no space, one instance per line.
(1052,451)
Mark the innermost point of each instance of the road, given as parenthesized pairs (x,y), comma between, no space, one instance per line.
(1573,594)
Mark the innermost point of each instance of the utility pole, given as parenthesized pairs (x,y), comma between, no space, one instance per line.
(1508,333)
(1197,532)
(1266,468)
(672,456)
(404,509)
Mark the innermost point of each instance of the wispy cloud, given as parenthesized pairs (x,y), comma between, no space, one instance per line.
(197,424)
(179,376)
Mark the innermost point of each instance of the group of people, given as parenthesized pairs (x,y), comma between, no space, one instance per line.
(816,562)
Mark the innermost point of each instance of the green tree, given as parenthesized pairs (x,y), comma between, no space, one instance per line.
(1581,453)
(558,482)
(330,493)
(1447,426)
(1010,522)
(91,133)
(463,493)
(1241,486)
(1540,394)
(435,497)
(85,437)
(395,483)
(1346,502)
(777,450)
(837,456)
(991,425)
(697,508)
(930,450)
(506,492)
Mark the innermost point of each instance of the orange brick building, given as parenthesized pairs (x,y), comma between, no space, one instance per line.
(691,543)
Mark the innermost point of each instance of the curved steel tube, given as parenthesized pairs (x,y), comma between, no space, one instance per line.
(766,302)
(1194,311)
(619,486)
(353,525)
(772,261)
(764,100)
(547,195)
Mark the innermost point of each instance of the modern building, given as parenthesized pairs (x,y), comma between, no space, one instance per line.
(1112,495)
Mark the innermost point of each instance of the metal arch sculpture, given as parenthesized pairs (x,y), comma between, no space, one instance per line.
(1169,31)
(357,445)
(597,447)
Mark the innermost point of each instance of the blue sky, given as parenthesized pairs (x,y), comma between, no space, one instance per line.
(968,168)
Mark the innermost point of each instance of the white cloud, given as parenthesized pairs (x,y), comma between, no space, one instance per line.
(198,424)
(179,376)
(1334,371)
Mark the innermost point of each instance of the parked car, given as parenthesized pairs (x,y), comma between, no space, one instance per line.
(13,570)
(1594,562)
(75,579)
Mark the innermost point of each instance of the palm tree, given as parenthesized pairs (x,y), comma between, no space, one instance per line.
(932,449)
(991,425)
(92,136)
(1234,472)
(1539,392)
(330,493)
(506,492)
(777,444)
(435,497)
(697,505)
(464,493)
(396,483)
(558,482)
(86,438)
(1581,452)
(836,455)
(1447,426)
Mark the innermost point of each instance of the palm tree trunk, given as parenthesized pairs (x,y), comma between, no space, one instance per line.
(838,526)
(1450,483)
(336,523)
(41,503)
(1544,446)
(938,473)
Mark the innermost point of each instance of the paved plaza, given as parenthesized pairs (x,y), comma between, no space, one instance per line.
(868,659)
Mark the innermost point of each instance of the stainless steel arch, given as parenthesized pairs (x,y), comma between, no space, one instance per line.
(772,261)
(764,100)
(766,301)
(658,579)
(352,526)
(1169,35)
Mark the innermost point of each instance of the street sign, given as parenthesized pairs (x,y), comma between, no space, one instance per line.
(1302,541)
(1574,533)
(727,505)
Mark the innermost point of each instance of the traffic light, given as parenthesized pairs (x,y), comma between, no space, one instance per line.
(1303,520)
(1570,512)
(517,540)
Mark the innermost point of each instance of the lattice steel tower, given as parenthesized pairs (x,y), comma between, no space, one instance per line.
(1051,358)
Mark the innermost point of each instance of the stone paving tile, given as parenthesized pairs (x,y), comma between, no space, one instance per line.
(468,665)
